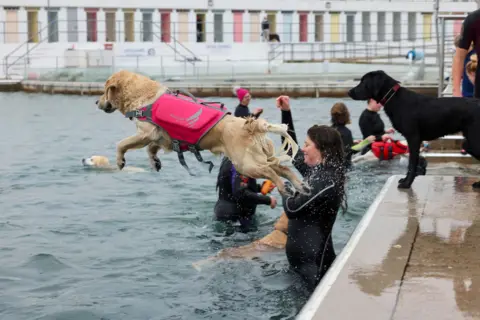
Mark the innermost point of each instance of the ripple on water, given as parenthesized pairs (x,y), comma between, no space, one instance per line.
(45,263)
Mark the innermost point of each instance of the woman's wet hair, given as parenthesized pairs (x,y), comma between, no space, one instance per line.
(340,114)
(472,64)
(330,144)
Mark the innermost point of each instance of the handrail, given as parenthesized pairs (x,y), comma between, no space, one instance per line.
(7,65)
(191,60)
(349,49)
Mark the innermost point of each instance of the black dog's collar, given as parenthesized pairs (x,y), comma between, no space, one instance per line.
(386,98)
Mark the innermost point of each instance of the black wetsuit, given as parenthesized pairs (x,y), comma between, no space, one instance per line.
(371,124)
(471,33)
(242,111)
(238,196)
(347,140)
(311,217)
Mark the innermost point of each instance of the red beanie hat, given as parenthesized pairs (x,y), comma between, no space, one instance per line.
(241,93)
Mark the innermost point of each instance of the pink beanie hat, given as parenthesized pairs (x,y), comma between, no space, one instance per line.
(241,93)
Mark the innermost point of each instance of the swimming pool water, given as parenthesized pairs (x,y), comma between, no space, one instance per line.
(85,244)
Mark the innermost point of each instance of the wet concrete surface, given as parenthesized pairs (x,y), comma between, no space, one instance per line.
(419,257)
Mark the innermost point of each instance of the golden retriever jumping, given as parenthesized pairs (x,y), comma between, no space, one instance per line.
(171,121)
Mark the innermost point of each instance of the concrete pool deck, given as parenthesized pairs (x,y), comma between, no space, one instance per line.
(414,255)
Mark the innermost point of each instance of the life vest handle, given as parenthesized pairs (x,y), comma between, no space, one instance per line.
(185,93)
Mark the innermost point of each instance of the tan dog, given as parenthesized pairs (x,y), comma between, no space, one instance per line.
(101,162)
(274,241)
(244,141)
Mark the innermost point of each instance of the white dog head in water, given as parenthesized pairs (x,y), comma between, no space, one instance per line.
(102,162)
(96,161)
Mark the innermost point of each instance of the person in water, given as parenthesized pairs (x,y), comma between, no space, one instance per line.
(238,196)
(309,247)
(371,124)
(340,117)
(242,109)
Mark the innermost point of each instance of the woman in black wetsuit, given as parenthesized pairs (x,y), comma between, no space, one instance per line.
(238,196)
(340,117)
(311,217)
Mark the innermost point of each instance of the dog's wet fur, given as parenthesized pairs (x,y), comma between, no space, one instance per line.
(272,242)
(421,118)
(244,141)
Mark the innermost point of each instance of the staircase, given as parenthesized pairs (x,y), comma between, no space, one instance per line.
(181,52)
(447,149)
(15,66)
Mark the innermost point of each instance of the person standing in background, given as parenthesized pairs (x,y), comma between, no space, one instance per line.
(266,29)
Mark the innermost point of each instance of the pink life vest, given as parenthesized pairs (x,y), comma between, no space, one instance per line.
(185,118)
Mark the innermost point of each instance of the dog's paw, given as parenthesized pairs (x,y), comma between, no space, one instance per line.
(121,163)
(403,184)
(476,185)
(305,189)
(157,164)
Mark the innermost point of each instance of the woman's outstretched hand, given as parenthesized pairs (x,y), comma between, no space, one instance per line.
(283,103)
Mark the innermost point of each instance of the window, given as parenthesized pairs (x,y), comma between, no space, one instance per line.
(366,35)
(397,27)
(350,28)
(72,25)
(218,27)
(52,17)
(318,27)
(147,27)
(92,26)
(412,26)
(380,26)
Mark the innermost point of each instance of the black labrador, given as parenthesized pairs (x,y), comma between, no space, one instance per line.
(418,117)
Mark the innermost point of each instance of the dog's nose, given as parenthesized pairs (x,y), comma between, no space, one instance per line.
(83,160)
(96,102)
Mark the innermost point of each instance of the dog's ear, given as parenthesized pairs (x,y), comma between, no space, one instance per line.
(110,92)
(378,81)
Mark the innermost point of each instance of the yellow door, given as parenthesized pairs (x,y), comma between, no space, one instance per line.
(129,27)
(272,18)
(335,27)
(427,26)
(32,17)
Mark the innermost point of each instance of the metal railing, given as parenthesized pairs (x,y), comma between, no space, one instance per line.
(192,58)
(98,68)
(143,31)
(354,51)
(28,46)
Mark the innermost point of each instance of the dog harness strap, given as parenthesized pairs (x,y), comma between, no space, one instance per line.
(181,158)
(194,149)
(390,152)
(381,153)
(394,89)
(143,112)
